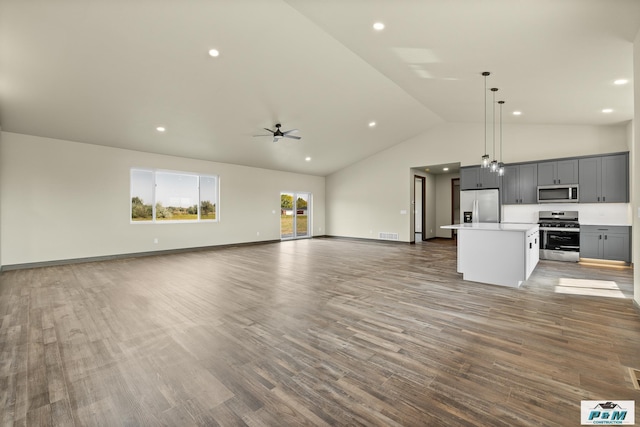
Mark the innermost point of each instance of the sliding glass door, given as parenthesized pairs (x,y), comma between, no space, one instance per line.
(295,215)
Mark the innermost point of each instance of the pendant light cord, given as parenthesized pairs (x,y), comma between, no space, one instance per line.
(485,74)
(493,104)
(500,102)
(494,90)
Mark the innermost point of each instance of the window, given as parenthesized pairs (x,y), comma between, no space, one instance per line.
(163,196)
(141,195)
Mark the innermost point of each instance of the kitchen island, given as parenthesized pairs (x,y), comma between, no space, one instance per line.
(497,254)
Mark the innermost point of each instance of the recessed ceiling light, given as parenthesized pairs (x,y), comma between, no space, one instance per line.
(372,124)
(607,110)
(214,53)
(307,159)
(161,128)
(621,82)
(378,26)
(517,113)
(445,169)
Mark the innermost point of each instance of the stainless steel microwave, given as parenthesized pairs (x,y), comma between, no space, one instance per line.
(558,193)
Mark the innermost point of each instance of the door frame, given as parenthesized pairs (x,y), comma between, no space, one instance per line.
(295,195)
(454,233)
(422,208)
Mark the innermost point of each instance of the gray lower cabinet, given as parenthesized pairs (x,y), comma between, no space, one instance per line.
(477,178)
(604,179)
(605,242)
(519,184)
(558,172)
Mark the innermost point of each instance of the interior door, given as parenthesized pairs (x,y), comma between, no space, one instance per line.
(295,215)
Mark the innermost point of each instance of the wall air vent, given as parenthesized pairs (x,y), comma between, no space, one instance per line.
(388,236)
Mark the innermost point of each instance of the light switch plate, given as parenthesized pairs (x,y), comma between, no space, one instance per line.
(403,212)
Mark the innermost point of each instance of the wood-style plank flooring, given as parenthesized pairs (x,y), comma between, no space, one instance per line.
(311,332)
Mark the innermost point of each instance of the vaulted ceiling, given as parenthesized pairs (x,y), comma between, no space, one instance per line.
(110,72)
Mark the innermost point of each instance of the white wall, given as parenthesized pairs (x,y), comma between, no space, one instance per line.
(0,199)
(65,200)
(368,196)
(635,164)
(430,202)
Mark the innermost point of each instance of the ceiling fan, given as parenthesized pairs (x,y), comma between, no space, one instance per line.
(277,134)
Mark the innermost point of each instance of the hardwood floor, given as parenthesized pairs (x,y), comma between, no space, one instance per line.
(311,332)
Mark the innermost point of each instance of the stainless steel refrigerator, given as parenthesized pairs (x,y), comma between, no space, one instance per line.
(480,206)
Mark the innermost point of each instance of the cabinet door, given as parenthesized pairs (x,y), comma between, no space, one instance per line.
(528,181)
(469,178)
(488,179)
(590,244)
(589,172)
(511,185)
(547,173)
(614,179)
(567,172)
(616,247)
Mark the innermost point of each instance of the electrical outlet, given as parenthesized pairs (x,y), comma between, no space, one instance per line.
(155,240)
(257,233)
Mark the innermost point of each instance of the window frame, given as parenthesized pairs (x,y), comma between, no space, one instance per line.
(198,176)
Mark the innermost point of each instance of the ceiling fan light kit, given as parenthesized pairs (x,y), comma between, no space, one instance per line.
(277,134)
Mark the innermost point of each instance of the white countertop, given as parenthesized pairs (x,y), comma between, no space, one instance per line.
(492,226)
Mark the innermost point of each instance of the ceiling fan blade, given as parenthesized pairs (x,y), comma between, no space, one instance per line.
(290,131)
(292,136)
(272,131)
(275,139)
(263,135)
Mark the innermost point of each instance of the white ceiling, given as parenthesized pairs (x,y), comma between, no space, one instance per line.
(109,72)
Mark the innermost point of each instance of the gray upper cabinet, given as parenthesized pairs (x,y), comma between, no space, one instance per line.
(604,179)
(558,172)
(590,180)
(519,184)
(601,179)
(469,178)
(511,185)
(615,178)
(489,179)
(528,180)
(477,178)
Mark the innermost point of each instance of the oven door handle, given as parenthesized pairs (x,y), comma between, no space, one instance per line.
(569,230)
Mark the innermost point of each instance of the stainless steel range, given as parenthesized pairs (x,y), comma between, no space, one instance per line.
(559,235)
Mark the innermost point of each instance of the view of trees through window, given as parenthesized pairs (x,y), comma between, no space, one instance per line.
(177,196)
(294,222)
(286,202)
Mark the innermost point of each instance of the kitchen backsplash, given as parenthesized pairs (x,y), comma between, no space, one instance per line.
(588,213)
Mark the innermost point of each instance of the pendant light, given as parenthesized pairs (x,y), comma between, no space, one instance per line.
(485,156)
(493,166)
(500,164)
